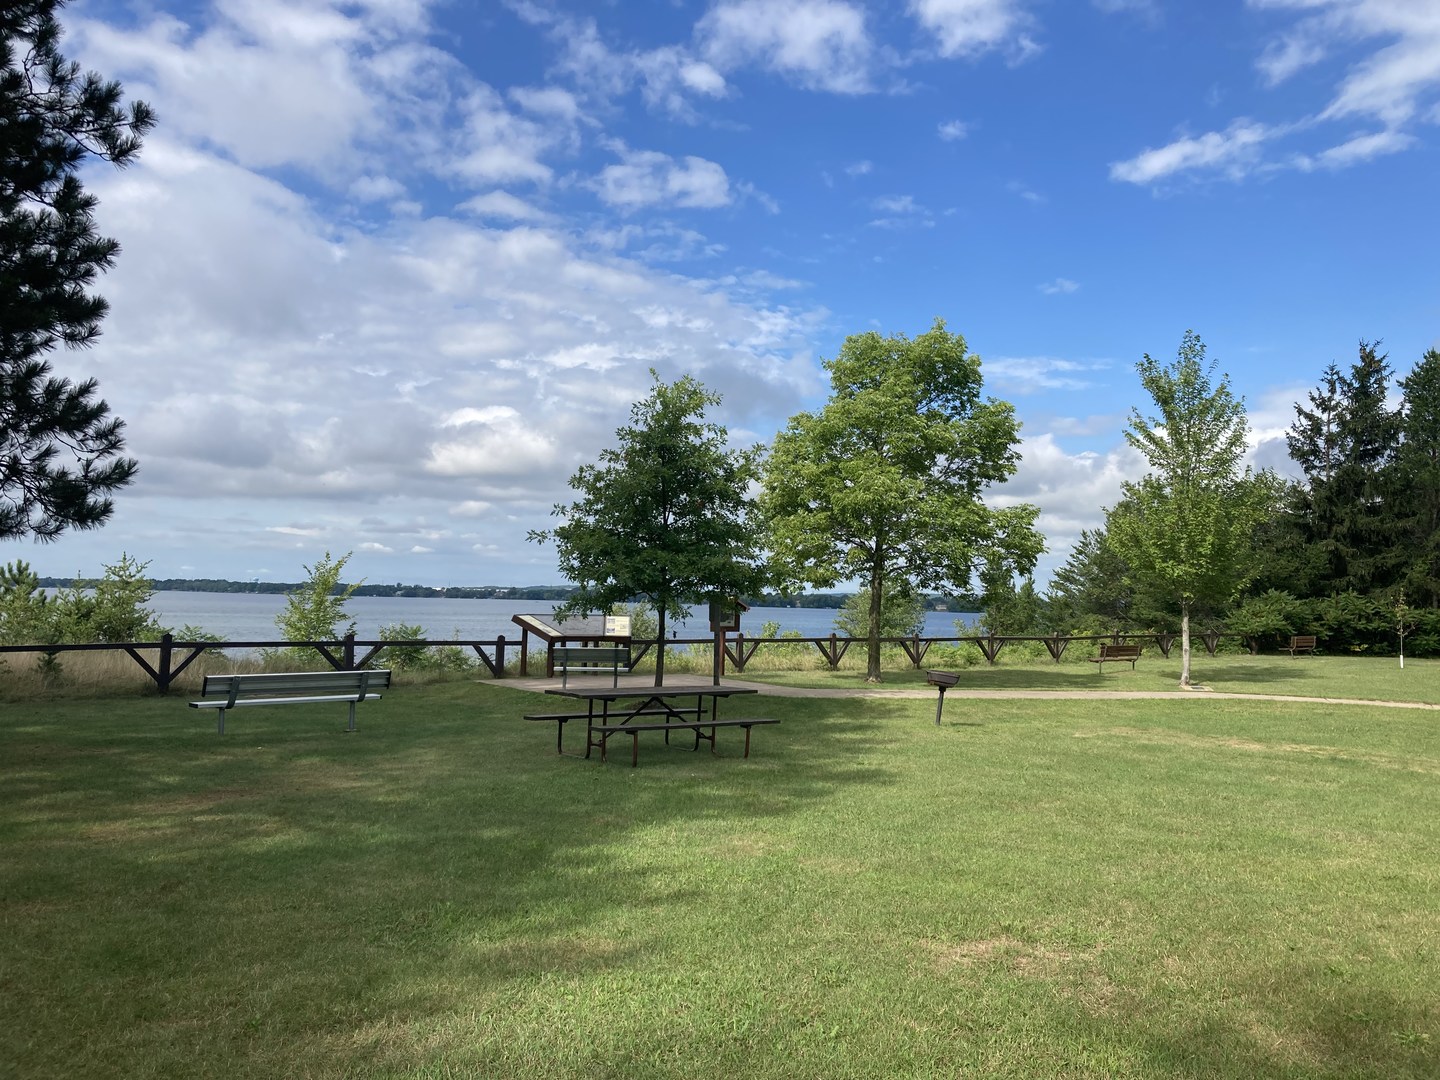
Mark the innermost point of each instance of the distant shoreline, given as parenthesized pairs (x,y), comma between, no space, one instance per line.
(479,592)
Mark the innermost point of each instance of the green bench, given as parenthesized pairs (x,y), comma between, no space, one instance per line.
(224,692)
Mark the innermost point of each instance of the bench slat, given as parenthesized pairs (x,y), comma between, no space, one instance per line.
(224,692)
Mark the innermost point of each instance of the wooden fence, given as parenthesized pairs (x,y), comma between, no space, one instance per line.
(164,660)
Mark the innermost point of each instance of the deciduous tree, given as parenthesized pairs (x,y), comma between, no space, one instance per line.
(1186,527)
(664,516)
(885,482)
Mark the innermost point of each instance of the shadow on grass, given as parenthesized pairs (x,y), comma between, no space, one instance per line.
(286,872)
(1314,1028)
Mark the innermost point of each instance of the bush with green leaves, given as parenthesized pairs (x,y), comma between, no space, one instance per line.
(315,610)
(419,657)
(1267,620)
(112,610)
(902,612)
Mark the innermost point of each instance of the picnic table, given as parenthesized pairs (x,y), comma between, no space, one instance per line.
(631,710)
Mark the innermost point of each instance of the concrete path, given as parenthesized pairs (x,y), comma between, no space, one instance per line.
(677,681)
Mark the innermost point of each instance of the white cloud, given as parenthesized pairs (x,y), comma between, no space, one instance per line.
(818,44)
(1059,287)
(953,130)
(970,27)
(1033,374)
(860,168)
(501,204)
(1233,153)
(1394,83)
(1360,148)
(649,178)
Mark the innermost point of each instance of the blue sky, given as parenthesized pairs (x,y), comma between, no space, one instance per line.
(392,269)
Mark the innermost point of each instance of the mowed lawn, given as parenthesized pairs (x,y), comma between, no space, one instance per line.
(1171,888)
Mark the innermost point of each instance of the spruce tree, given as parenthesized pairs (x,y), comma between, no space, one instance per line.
(1418,481)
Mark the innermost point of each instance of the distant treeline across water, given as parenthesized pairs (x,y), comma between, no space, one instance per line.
(553,593)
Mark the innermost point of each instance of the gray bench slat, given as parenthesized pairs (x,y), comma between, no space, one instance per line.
(591,660)
(225,692)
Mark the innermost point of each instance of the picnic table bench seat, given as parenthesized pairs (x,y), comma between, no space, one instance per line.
(222,692)
(562,718)
(604,731)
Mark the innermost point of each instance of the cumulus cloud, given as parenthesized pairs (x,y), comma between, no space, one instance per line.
(649,178)
(817,44)
(970,27)
(953,130)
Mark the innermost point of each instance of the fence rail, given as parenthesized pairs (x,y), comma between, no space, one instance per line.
(172,657)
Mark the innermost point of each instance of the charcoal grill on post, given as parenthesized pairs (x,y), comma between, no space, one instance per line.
(942,680)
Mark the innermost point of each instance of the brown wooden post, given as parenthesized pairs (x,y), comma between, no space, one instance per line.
(163,673)
(348,652)
(524,651)
(500,657)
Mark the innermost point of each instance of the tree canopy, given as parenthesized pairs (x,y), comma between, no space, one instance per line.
(664,516)
(60,450)
(885,482)
(1186,527)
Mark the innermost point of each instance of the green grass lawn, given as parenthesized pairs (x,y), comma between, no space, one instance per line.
(1196,888)
(1364,678)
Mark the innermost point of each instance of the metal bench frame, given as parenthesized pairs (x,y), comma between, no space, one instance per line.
(290,688)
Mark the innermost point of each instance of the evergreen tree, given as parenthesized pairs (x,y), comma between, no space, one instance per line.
(1346,446)
(1418,481)
(60,450)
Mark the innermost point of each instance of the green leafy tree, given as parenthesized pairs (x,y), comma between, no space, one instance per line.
(902,612)
(1186,528)
(664,516)
(315,610)
(885,482)
(60,450)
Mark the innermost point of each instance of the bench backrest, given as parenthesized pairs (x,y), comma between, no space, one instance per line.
(1302,641)
(1120,652)
(298,682)
(600,654)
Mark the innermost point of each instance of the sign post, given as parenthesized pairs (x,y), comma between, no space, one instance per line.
(724,617)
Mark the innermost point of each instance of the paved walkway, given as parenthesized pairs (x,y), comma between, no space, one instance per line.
(677,681)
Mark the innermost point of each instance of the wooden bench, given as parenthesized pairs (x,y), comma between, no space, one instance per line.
(296,688)
(1301,643)
(1110,653)
(563,718)
(604,731)
(592,660)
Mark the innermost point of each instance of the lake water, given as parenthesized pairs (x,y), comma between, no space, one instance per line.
(251,616)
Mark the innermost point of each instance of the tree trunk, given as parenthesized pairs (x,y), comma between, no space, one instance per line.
(872,642)
(1184,644)
(660,646)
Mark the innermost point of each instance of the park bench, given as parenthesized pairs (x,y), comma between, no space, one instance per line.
(1110,652)
(1301,643)
(224,692)
(592,660)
